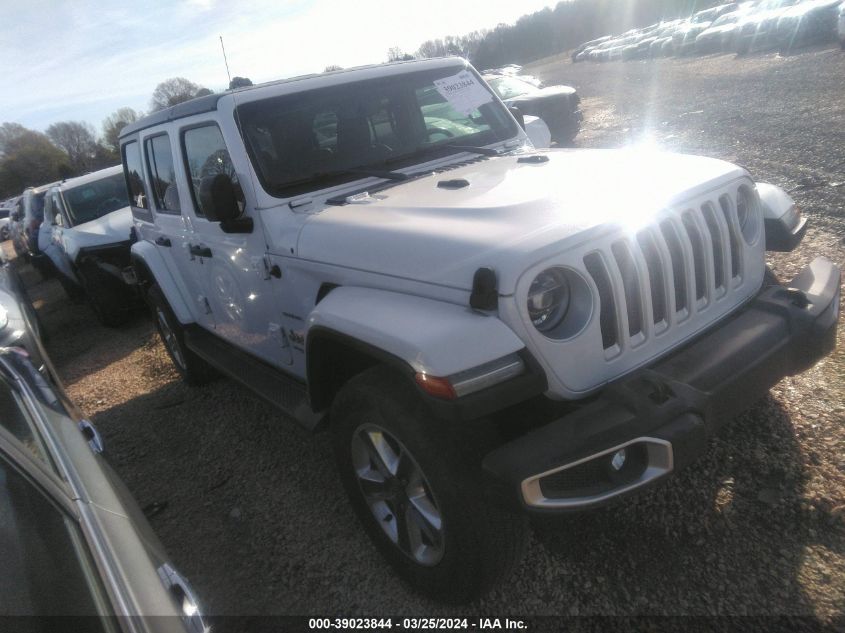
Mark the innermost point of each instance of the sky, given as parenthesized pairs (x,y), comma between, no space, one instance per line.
(78,60)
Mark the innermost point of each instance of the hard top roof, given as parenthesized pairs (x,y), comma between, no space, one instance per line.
(208,103)
(91,177)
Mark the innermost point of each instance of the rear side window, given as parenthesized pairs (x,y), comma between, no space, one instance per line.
(206,155)
(15,419)
(134,175)
(47,569)
(162,173)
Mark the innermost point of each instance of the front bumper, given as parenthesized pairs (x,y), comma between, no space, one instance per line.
(662,415)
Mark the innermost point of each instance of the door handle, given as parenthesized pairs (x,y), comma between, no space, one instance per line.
(163,241)
(199,250)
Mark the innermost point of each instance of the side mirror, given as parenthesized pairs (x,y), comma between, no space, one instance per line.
(218,199)
(517,114)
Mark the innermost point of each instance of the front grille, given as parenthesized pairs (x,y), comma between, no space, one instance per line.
(661,275)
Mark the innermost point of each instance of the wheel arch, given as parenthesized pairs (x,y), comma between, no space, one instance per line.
(333,358)
(354,328)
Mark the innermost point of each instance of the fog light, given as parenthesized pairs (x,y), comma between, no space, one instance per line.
(618,460)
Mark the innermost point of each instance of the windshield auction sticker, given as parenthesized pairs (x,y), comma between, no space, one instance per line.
(463,91)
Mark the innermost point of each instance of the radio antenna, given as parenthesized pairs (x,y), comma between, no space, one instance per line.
(225,61)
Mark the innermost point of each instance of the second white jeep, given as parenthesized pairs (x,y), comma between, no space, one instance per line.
(487,330)
(85,237)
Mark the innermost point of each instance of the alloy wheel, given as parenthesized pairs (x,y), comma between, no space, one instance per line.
(398,494)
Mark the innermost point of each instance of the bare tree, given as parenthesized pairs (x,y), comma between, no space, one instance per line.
(78,141)
(115,122)
(396,54)
(174,90)
(8,133)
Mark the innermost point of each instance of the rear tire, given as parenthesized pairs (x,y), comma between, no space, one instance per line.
(193,369)
(457,544)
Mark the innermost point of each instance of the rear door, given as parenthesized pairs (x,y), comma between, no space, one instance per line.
(171,232)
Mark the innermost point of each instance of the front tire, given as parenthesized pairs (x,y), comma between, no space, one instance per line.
(417,490)
(110,304)
(193,369)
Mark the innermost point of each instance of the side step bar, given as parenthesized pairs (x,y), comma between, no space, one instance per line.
(273,385)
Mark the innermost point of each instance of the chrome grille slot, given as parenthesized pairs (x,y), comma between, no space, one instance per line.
(718,246)
(676,252)
(630,286)
(699,266)
(607,306)
(657,277)
(736,244)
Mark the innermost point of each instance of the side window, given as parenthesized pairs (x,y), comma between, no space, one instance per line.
(56,203)
(206,155)
(15,419)
(53,208)
(48,208)
(134,175)
(162,173)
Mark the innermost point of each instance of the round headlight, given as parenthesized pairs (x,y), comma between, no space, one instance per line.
(742,210)
(548,299)
(746,212)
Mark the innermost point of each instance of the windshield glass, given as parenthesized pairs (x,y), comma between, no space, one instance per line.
(510,87)
(316,137)
(95,199)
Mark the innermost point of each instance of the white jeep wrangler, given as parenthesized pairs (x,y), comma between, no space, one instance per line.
(488,330)
(85,237)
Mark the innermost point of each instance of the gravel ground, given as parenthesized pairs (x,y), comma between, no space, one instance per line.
(249,505)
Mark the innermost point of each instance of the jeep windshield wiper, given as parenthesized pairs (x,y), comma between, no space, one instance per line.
(377,173)
(484,151)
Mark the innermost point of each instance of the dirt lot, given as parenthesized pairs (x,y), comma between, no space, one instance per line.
(251,510)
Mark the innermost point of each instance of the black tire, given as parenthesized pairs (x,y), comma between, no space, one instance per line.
(74,292)
(110,303)
(478,542)
(193,369)
(770,279)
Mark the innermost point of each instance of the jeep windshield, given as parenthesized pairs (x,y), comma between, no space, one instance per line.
(95,199)
(327,136)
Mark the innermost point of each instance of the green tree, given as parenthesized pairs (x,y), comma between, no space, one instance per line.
(30,159)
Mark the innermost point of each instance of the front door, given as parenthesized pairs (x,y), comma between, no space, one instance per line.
(242,293)
(50,235)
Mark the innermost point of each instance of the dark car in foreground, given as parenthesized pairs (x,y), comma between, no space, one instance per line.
(73,542)
(558,106)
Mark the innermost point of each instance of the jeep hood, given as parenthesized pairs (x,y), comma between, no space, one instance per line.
(109,229)
(509,215)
